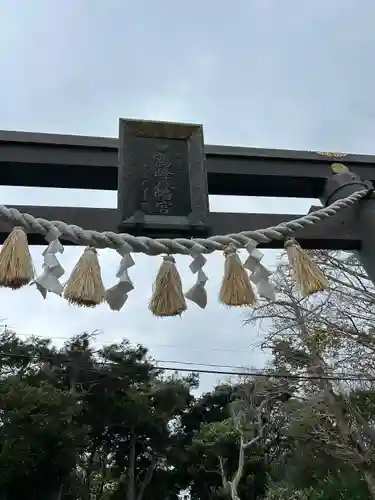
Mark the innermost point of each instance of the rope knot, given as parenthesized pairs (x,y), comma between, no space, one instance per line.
(170,259)
(289,242)
(230,250)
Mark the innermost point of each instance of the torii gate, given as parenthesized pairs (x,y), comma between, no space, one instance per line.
(164,173)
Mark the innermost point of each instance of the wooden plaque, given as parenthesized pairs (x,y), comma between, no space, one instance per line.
(162,181)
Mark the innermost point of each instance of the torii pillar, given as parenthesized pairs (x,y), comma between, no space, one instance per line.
(342,184)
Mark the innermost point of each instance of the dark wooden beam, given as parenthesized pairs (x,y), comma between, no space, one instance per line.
(48,160)
(334,233)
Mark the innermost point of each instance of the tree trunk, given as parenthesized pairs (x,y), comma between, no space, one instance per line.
(131,472)
(318,367)
(233,485)
(103,469)
(88,471)
(370,480)
(233,492)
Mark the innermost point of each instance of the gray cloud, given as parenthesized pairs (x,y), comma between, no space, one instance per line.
(260,73)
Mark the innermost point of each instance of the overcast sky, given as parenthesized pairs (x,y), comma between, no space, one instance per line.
(267,73)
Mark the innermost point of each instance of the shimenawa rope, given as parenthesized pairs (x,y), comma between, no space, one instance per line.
(150,246)
(85,286)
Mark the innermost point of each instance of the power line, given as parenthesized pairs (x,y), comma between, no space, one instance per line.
(192,363)
(109,342)
(270,375)
(235,371)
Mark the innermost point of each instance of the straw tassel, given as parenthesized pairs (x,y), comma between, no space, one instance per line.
(309,278)
(236,289)
(16,266)
(85,286)
(168,298)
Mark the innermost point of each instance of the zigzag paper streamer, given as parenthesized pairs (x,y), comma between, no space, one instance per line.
(48,281)
(117,295)
(259,273)
(198,293)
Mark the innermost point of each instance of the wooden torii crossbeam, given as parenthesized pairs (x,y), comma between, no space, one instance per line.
(63,161)
(163,174)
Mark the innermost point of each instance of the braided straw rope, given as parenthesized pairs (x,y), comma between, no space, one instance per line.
(150,246)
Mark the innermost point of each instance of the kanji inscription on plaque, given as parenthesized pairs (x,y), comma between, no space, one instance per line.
(162,182)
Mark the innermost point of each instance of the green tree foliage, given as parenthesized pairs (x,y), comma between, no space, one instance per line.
(330,426)
(82,424)
(215,443)
(89,423)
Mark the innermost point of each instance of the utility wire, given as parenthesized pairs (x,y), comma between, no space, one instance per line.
(269,375)
(235,371)
(110,342)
